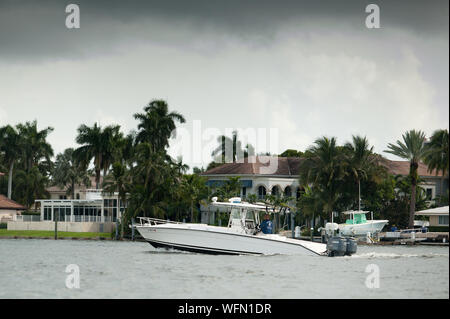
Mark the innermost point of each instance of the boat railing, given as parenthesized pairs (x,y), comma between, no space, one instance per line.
(155,221)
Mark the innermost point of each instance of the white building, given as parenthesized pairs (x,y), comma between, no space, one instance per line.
(9,209)
(284,178)
(92,211)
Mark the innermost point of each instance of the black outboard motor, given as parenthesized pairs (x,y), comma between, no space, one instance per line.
(351,246)
(336,246)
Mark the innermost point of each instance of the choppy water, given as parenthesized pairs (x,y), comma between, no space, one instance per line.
(36,269)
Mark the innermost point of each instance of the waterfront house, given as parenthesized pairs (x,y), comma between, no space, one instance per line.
(91,211)
(438,217)
(285,179)
(433,183)
(9,209)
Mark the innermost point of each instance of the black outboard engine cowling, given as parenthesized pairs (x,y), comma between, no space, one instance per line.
(351,246)
(336,246)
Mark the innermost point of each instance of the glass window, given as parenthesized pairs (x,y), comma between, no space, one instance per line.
(47,213)
(429,193)
(287,191)
(235,214)
(275,191)
(443,220)
(261,192)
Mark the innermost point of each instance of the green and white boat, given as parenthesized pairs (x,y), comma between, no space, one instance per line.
(358,225)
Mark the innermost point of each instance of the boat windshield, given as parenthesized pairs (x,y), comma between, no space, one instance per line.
(357,219)
(235,213)
(244,219)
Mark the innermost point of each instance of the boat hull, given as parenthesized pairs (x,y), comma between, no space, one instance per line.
(372,226)
(217,240)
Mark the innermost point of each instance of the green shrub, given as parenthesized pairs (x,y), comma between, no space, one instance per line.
(30,212)
(438,228)
(307,231)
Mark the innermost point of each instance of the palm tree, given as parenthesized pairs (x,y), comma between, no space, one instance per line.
(118,180)
(180,166)
(98,144)
(156,124)
(324,171)
(231,150)
(194,190)
(156,174)
(34,145)
(437,157)
(360,160)
(29,186)
(230,188)
(69,172)
(10,148)
(414,150)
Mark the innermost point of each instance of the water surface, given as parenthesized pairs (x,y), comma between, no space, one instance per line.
(35,268)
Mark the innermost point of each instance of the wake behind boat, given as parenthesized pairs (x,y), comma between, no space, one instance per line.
(242,235)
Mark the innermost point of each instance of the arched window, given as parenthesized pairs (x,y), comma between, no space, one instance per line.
(261,192)
(275,191)
(288,191)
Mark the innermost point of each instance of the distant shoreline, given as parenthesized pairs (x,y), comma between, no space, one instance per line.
(59,238)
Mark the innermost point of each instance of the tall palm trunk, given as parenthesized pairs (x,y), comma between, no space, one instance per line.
(10,176)
(412,205)
(97,171)
(97,178)
(359,194)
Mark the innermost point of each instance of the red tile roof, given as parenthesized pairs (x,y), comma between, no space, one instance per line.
(286,166)
(289,166)
(402,168)
(80,187)
(6,203)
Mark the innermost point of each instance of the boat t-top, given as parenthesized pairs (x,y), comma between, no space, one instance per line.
(242,235)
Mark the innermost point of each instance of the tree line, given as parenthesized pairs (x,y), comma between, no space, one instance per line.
(138,167)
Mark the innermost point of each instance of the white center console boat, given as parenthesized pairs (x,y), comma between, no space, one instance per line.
(241,236)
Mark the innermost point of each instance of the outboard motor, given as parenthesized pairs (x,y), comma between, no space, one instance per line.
(351,246)
(331,229)
(336,246)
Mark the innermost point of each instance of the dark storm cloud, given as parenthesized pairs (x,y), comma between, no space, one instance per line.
(35,30)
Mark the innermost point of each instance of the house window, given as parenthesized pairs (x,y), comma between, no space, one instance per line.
(244,192)
(288,191)
(47,213)
(275,191)
(261,192)
(443,220)
(429,193)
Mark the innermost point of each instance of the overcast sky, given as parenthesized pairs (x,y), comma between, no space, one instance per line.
(308,68)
